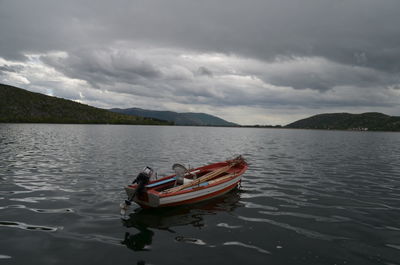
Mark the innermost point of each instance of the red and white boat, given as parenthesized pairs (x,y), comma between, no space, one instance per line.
(186,186)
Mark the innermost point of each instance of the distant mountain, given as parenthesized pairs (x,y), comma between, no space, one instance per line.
(19,105)
(188,118)
(372,121)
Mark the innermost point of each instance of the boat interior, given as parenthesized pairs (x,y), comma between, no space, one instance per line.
(169,183)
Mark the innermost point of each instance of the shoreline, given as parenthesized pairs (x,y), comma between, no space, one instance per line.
(208,126)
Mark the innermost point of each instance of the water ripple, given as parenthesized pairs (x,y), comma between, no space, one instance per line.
(190,240)
(248,204)
(225,225)
(307,216)
(236,243)
(301,231)
(28,226)
(20,206)
(393,246)
(38,199)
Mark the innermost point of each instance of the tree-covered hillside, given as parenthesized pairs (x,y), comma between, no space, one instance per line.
(188,118)
(371,121)
(19,105)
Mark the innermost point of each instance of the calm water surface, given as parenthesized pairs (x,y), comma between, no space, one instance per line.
(309,197)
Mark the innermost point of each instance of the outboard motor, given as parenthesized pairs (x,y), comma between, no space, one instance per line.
(142,179)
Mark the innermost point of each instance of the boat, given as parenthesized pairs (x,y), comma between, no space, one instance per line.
(186,186)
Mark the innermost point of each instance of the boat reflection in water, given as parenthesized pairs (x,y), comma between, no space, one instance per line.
(167,218)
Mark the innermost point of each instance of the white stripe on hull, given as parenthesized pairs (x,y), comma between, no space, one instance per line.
(196,194)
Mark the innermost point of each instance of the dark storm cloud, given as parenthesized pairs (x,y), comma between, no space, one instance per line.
(104,66)
(337,30)
(10,68)
(283,46)
(320,74)
(204,71)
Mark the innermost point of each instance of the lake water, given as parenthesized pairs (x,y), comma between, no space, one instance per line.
(309,197)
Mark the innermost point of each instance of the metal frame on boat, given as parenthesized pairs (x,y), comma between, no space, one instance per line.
(199,184)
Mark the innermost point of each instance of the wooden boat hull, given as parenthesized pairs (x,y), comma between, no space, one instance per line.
(160,194)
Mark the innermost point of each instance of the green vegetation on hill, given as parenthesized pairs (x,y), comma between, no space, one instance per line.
(19,105)
(188,118)
(371,121)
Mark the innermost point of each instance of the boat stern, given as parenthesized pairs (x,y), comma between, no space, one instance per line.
(146,199)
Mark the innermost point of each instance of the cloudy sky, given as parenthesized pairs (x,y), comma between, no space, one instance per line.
(250,62)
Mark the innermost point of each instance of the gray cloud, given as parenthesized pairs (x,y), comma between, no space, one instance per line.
(204,71)
(10,68)
(322,75)
(276,53)
(337,30)
(104,66)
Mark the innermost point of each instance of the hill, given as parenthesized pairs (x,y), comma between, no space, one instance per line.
(19,105)
(188,118)
(372,121)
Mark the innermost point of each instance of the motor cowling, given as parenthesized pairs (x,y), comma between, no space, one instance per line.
(142,180)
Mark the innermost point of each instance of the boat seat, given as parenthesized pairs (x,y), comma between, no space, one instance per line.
(186,181)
